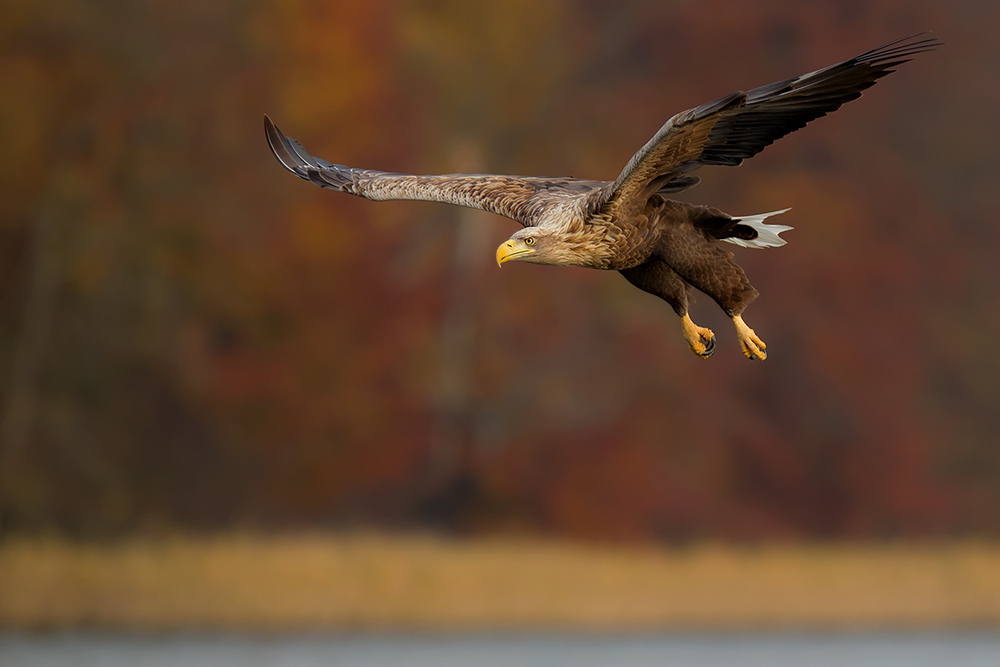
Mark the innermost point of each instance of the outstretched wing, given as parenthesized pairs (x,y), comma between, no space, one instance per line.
(730,129)
(520,198)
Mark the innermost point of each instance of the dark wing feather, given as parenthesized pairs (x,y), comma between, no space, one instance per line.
(730,129)
(519,198)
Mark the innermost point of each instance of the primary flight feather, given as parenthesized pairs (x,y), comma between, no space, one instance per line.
(661,246)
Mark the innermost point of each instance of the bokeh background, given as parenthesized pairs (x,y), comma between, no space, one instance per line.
(192,340)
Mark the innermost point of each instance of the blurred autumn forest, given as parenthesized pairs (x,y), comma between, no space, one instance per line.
(193,339)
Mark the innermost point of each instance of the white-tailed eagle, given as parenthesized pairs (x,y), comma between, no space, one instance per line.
(661,246)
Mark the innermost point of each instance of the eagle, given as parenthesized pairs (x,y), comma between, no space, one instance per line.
(664,247)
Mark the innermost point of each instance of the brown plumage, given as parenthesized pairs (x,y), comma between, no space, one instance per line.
(661,246)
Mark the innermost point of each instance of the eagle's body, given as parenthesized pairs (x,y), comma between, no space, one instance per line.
(661,246)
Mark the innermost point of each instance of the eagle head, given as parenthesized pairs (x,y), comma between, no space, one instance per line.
(531,244)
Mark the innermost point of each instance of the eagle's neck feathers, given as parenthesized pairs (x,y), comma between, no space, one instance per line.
(596,240)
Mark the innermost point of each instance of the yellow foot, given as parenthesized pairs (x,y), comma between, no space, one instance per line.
(701,340)
(753,347)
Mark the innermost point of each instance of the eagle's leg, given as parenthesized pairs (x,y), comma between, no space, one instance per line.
(657,278)
(697,260)
(753,346)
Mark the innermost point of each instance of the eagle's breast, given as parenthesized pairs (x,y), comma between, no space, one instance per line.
(627,243)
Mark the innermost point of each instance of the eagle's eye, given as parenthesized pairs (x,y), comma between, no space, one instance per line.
(529,241)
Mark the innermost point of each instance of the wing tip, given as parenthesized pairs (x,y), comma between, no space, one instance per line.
(279,145)
(297,160)
(901,50)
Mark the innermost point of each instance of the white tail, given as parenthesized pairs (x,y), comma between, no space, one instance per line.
(767,235)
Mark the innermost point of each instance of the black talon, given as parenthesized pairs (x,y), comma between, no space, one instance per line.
(709,345)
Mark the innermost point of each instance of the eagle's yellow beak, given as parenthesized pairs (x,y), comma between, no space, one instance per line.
(511,250)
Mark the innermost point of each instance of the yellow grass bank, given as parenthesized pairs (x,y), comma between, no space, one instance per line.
(367,582)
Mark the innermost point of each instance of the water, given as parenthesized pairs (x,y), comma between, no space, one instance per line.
(859,650)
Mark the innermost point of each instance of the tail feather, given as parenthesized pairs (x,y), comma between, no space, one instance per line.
(768,236)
